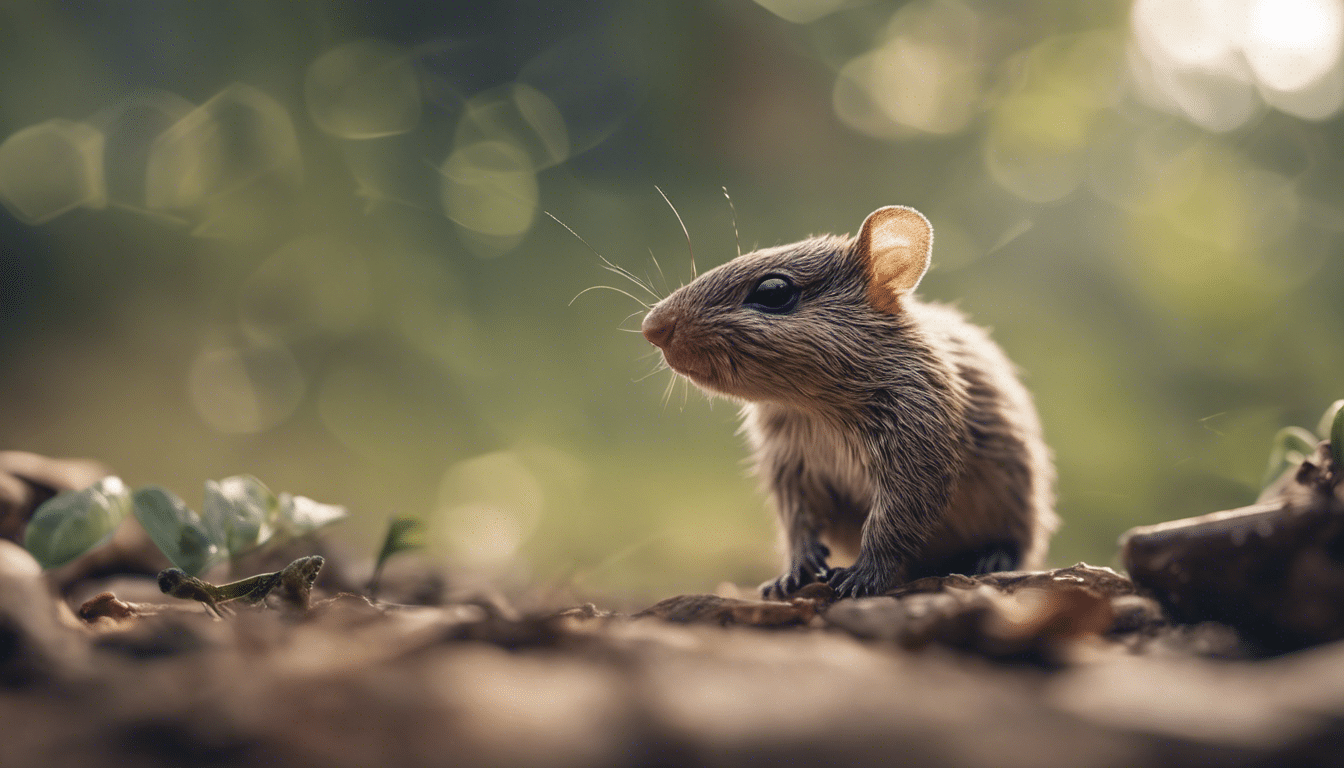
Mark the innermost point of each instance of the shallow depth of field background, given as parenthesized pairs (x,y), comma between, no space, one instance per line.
(306,241)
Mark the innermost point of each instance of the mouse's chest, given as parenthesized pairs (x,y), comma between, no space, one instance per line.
(823,453)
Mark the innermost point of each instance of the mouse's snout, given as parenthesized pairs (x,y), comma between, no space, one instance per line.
(658,326)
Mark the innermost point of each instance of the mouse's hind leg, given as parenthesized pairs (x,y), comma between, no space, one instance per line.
(999,558)
(989,558)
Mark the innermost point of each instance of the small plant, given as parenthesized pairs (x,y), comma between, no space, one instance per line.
(1293,445)
(403,533)
(240,515)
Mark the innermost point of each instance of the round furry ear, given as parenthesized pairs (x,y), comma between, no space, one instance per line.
(894,245)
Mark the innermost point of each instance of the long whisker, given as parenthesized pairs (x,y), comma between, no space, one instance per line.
(667,393)
(631,330)
(656,370)
(609,288)
(610,267)
(662,276)
(684,231)
(733,209)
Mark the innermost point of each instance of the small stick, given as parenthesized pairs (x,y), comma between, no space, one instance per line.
(295,582)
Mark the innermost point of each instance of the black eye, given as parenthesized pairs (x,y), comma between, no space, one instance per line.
(774,293)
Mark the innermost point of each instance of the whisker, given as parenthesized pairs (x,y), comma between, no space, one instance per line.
(657,369)
(660,270)
(631,330)
(667,393)
(610,267)
(632,279)
(684,231)
(733,209)
(609,288)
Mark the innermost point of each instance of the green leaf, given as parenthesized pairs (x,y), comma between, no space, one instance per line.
(1337,434)
(240,512)
(403,533)
(74,522)
(300,515)
(1329,419)
(180,533)
(1290,447)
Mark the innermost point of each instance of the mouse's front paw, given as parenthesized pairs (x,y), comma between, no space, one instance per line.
(808,568)
(857,581)
(786,585)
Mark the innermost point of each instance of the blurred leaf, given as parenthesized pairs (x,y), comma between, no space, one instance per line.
(1290,447)
(240,512)
(1325,427)
(300,514)
(179,533)
(1337,433)
(74,522)
(403,533)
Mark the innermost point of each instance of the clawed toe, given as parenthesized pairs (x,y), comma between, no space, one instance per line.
(847,582)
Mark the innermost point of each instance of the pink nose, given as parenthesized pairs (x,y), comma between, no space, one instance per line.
(658,327)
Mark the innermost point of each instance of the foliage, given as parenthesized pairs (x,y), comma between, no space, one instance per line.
(1293,445)
(1333,420)
(73,522)
(240,515)
(177,530)
(403,533)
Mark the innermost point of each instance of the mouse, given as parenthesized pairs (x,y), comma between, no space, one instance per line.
(890,433)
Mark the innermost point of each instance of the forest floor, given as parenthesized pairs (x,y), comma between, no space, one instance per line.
(1079,666)
(1066,667)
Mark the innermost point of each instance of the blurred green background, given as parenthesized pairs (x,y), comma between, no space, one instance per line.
(305,241)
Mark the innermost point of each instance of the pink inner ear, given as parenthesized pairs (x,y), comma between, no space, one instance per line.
(884,240)
(895,244)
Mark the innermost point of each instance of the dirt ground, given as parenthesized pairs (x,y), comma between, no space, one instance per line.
(1226,648)
(1068,667)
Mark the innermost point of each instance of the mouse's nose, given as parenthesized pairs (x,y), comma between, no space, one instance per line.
(658,327)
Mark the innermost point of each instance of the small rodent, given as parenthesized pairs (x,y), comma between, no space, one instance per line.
(887,428)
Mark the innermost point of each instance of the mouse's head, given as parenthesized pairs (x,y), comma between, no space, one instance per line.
(794,322)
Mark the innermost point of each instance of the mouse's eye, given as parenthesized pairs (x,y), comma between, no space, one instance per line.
(774,293)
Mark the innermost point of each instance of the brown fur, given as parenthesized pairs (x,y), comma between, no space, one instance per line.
(888,428)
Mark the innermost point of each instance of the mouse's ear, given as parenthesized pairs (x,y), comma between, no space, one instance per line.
(894,245)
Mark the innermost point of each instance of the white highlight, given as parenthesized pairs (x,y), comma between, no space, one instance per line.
(1291,44)
(1218,62)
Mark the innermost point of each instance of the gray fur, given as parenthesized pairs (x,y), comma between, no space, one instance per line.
(903,440)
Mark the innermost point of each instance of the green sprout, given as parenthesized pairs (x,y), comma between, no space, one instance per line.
(1293,445)
(1332,424)
(403,533)
(294,582)
(240,516)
